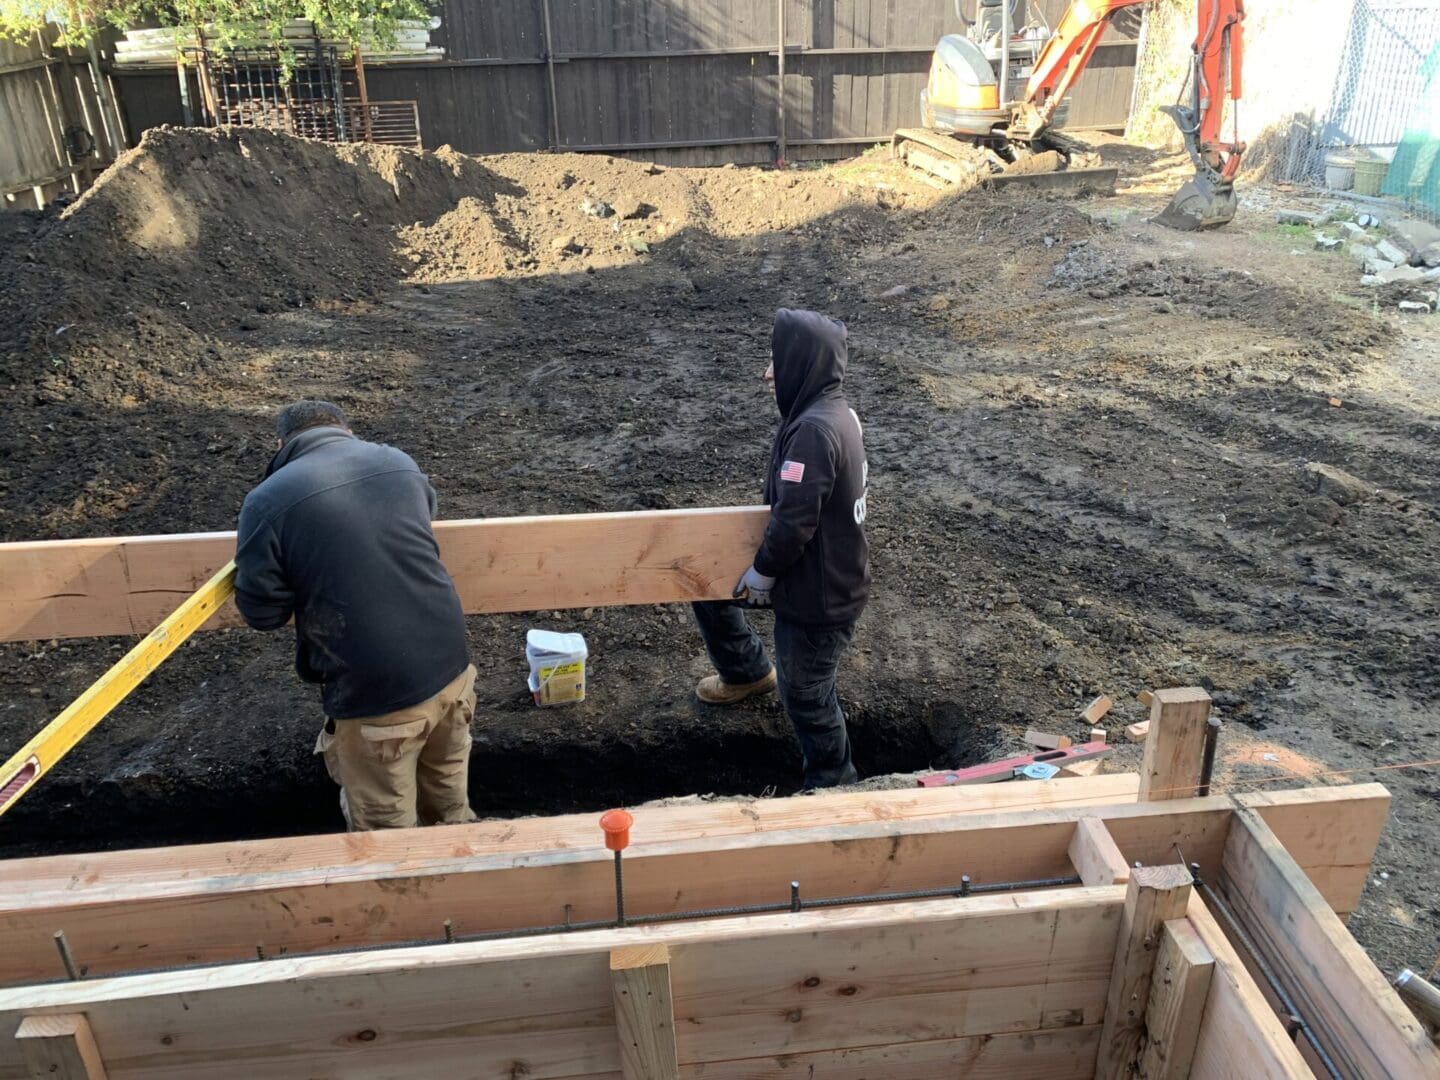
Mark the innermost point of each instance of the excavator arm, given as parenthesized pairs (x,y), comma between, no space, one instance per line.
(1215,62)
(1064,57)
(1217,54)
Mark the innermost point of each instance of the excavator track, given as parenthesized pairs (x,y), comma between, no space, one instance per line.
(967,165)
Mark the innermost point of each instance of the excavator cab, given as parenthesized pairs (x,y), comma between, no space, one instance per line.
(963,95)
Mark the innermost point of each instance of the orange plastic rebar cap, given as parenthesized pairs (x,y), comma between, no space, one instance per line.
(616,824)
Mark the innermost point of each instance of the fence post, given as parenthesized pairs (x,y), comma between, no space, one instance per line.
(780,148)
(550,75)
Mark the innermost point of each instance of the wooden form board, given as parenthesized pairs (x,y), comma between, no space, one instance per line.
(214,902)
(1239,1035)
(990,986)
(302,895)
(95,588)
(1362,1023)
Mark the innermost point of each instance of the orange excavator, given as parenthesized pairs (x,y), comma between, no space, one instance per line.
(996,100)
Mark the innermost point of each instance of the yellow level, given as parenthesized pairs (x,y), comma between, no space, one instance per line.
(58,738)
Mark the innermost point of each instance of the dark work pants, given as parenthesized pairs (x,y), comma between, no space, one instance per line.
(806,659)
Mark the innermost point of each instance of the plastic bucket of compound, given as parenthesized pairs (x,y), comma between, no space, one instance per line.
(1339,173)
(1369,176)
(557,666)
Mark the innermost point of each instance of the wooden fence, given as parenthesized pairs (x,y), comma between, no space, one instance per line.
(57,128)
(689,81)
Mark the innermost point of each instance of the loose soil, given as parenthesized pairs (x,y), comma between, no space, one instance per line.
(1087,439)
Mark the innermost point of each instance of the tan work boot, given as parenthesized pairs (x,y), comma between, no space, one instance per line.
(717,691)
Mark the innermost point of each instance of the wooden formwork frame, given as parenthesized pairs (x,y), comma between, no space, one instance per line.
(1128,970)
(1126,973)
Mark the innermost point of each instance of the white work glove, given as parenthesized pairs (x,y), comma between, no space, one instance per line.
(754,588)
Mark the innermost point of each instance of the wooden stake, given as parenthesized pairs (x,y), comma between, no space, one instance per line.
(1096,709)
(644,1012)
(1156,895)
(1146,698)
(1095,854)
(1178,991)
(60,1047)
(1175,744)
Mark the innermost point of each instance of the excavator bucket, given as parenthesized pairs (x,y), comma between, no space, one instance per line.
(1207,201)
(1202,203)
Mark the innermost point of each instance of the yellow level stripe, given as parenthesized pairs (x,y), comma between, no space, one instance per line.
(59,737)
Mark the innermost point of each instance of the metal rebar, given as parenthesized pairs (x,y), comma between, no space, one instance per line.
(449,932)
(260,952)
(619,892)
(1296,1021)
(66,956)
(966,888)
(1207,764)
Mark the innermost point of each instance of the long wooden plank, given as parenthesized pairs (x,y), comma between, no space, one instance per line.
(293,897)
(1360,1019)
(743,989)
(1239,1035)
(1062,1054)
(93,588)
(148,873)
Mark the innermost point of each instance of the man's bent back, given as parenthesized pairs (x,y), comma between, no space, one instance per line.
(339,537)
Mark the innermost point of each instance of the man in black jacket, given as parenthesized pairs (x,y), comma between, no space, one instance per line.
(813,563)
(338,536)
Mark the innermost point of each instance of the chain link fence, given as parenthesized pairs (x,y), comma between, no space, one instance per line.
(1350,101)
(1381,132)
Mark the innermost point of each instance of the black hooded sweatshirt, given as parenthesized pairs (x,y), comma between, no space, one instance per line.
(339,536)
(814,545)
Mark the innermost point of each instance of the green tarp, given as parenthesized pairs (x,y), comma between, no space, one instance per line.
(1415,172)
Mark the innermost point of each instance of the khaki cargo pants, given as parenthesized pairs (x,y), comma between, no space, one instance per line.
(408,767)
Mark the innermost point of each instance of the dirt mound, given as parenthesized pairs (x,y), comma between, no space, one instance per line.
(240,218)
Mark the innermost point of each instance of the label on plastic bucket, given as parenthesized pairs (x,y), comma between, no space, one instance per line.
(557,666)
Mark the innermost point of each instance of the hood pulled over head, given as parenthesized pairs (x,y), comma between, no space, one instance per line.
(809,353)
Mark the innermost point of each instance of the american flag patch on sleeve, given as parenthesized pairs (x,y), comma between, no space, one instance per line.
(794,471)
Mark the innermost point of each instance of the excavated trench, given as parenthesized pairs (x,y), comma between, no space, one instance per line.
(535,777)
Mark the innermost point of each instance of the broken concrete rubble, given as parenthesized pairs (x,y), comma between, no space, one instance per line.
(1336,484)
(1394,274)
(1420,239)
(1392,253)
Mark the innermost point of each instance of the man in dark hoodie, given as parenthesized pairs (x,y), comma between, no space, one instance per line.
(338,536)
(813,563)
